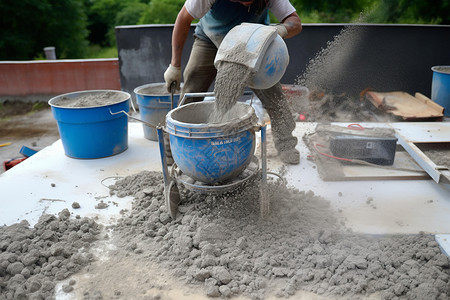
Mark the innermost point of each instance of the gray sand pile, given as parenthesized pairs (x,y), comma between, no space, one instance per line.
(439,153)
(32,260)
(221,244)
(93,99)
(218,245)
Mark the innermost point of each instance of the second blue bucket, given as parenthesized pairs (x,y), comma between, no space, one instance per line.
(154,103)
(440,87)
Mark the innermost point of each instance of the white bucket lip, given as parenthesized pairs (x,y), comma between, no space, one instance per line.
(245,122)
(441,69)
(54,99)
(141,87)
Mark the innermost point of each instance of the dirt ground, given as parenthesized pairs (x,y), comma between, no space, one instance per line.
(25,124)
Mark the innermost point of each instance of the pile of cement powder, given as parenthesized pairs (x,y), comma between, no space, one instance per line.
(156,90)
(439,153)
(91,100)
(222,244)
(442,69)
(32,259)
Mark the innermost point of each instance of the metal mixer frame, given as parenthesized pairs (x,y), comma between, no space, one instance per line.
(171,191)
(172,179)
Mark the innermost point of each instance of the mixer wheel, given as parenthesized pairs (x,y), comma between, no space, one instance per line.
(173,199)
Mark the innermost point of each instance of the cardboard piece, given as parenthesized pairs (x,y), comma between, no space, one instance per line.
(410,108)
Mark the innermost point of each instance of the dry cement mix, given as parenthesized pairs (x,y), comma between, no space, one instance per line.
(92,99)
(33,260)
(220,246)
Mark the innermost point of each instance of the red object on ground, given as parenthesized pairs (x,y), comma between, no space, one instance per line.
(8,164)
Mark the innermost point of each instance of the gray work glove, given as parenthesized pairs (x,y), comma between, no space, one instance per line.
(172,74)
(281,30)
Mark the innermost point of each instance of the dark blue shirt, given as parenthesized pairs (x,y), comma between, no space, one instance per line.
(223,16)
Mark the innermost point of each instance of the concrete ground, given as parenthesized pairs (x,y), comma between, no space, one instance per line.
(54,181)
(20,126)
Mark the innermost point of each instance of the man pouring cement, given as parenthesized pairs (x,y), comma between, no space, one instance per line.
(217,18)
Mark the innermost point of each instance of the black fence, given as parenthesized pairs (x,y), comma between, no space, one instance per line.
(351,57)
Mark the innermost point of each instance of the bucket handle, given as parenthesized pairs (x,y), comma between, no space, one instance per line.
(136,119)
(205,94)
(172,91)
(132,105)
(193,95)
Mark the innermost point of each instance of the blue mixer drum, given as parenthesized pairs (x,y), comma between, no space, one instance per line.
(211,152)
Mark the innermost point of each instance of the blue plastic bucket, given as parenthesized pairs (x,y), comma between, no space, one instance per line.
(440,87)
(86,125)
(154,103)
(215,152)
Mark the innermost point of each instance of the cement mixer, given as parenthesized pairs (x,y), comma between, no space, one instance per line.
(218,158)
(207,155)
(258,47)
(211,158)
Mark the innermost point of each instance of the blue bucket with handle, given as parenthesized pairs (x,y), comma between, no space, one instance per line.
(86,125)
(211,152)
(154,103)
(440,87)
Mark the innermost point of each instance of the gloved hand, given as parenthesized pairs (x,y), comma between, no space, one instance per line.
(172,74)
(281,30)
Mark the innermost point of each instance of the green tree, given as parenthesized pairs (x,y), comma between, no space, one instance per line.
(30,25)
(411,12)
(374,11)
(105,15)
(162,12)
(328,11)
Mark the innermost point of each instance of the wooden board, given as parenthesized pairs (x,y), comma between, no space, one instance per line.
(406,106)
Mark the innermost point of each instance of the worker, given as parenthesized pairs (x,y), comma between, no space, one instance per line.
(217,18)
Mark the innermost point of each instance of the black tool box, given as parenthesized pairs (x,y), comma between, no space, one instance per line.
(375,150)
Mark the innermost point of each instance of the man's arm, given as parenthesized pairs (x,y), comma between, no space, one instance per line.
(293,25)
(179,35)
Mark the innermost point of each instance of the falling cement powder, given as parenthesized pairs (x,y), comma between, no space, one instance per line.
(221,246)
(230,84)
(323,75)
(325,69)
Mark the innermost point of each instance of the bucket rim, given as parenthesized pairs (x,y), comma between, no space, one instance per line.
(141,87)
(207,130)
(50,102)
(437,69)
